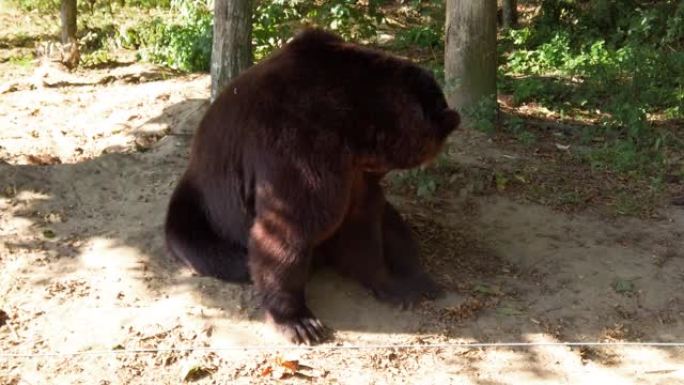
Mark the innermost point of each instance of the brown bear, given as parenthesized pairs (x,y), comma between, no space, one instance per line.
(285,171)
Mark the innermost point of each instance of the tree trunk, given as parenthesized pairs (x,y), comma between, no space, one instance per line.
(470,57)
(70,55)
(68,16)
(232,47)
(510,14)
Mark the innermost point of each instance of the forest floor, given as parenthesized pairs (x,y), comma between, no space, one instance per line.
(87,295)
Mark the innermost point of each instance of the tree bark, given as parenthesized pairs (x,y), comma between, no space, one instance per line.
(70,55)
(68,16)
(232,46)
(510,13)
(470,55)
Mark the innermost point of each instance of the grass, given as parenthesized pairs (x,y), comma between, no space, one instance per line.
(24,60)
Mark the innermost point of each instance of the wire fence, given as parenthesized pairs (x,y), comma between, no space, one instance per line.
(328,348)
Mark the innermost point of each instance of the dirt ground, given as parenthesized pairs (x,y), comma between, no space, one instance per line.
(88,296)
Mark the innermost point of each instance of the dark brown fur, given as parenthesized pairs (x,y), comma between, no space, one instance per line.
(286,167)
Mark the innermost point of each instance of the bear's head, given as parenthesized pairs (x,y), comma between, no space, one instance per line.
(413,124)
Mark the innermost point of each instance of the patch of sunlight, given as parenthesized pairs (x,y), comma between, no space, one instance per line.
(25,195)
(648,361)
(102,253)
(642,354)
(14,225)
(550,363)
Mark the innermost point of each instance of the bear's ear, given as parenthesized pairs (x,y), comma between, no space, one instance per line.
(450,120)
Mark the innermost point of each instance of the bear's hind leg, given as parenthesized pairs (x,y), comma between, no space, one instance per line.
(374,247)
(401,253)
(191,238)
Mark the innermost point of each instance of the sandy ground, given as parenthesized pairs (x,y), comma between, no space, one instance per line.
(87,295)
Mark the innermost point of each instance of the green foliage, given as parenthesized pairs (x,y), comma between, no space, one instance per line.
(183,43)
(41,6)
(517,128)
(528,89)
(621,61)
(22,60)
(426,187)
(423,180)
(347,18)
(421,36)
(515,125)
(483,114)
(621,22)
(624,62)
(527,138)
(551,57)
(149,3)
(52,6)
(96,58)
(625,156)
(95,37)
(275,21)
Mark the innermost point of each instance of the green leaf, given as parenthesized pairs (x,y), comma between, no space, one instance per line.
(485,289)
(623,286)
(508,310)
(501,182)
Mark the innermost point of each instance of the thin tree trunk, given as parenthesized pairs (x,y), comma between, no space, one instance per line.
(69,50)
(232,47)
(68,16)
(470,55)
(510,14)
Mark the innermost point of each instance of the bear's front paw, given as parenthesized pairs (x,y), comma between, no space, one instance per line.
(305,328)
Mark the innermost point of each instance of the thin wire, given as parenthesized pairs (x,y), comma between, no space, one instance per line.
(470,345)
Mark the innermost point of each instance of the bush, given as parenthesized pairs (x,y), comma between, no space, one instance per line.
(422,36)
(184,43)
(41,6)
(275,21)
(51,6)
(619,62)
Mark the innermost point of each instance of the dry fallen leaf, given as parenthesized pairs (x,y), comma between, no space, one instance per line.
(292,365)
(284,369)
(266,371)
(197,372)
(43,159)
(4,317)
(9,191)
